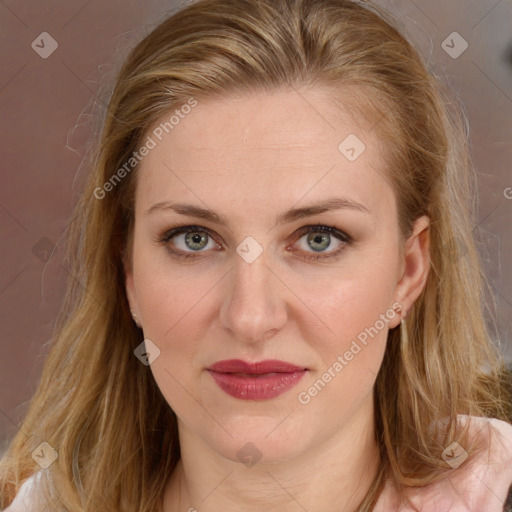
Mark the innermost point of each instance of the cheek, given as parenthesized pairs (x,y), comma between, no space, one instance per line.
(178,305)
(354,304)
(169,293)
(173,308)
(356,313)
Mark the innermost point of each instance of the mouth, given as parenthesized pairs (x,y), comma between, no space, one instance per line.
(256,368)
(255,381)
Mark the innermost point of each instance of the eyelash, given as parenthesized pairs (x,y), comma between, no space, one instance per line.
(168,234)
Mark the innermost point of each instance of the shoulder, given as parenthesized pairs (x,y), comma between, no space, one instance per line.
(503,449)
(498,432)
(483,483)
(25,500)
(494,467)
(504,428)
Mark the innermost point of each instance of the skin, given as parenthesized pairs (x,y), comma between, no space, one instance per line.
(251,159)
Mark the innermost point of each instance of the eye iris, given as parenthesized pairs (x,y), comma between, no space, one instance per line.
(318,238)
(196,238)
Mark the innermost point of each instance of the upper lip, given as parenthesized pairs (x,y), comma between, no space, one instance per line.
(256,368)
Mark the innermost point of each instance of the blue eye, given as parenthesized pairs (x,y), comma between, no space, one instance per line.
(319,238)
(196,238)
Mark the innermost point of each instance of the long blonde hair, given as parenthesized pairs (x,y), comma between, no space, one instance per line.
(100,408)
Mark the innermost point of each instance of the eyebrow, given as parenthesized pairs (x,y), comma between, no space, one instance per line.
(291,215)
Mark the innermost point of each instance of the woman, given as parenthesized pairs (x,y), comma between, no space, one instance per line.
(276,302)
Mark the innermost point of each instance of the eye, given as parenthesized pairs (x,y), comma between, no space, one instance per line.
(319,238)
(190,240)
(187,238)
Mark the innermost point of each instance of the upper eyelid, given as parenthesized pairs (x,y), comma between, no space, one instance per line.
(345,240)
(299,233)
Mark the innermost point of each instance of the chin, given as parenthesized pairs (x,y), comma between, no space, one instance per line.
(266,442)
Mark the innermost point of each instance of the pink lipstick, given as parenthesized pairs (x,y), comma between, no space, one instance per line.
(255,381)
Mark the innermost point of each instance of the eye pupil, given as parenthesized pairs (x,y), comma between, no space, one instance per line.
(195,238)
(317,238)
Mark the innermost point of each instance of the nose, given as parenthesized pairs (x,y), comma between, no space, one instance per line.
(254,308)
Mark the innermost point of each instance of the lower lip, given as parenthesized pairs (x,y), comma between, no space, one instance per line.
(259,387)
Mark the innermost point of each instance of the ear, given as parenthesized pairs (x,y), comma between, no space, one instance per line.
(414,267)
(130,288)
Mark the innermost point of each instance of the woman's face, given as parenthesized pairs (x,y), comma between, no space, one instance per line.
(245,283)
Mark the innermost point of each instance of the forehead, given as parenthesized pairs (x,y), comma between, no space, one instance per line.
(262,122)
(271,148)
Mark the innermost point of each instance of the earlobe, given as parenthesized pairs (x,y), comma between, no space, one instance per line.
(131,297)
(415,264)
(129,287)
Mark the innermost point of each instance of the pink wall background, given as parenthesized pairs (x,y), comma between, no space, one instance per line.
(46,102)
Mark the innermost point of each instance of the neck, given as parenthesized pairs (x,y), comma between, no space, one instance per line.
(335,474)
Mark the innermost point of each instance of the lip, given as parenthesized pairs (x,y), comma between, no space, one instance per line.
(256,368)
(261,380)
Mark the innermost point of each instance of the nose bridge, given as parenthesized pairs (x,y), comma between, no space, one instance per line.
(254,307)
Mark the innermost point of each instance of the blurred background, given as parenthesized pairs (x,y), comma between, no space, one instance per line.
(57,55)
